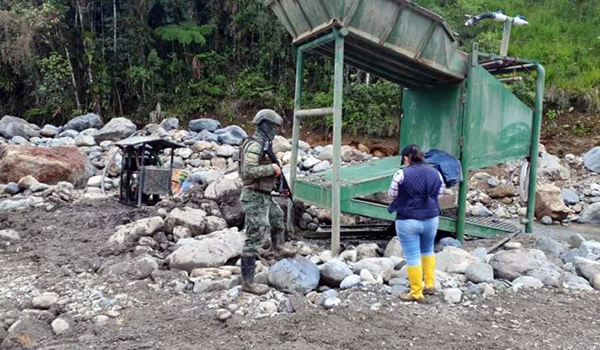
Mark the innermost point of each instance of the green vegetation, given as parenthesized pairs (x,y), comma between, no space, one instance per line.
(227,58)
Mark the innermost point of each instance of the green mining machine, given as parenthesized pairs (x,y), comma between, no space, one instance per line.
(452,101)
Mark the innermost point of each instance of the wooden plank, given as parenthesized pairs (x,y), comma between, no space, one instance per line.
(337,143)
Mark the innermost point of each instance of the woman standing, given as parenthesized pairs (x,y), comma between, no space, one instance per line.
(415,190)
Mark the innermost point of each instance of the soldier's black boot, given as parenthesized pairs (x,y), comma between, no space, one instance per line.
(248,285)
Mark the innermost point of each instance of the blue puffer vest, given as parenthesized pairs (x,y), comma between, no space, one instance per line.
(418,194)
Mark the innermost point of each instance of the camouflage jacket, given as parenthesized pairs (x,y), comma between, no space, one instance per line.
(255,167)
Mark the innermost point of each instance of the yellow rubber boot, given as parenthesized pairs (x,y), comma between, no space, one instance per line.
(428,263)
(415,279)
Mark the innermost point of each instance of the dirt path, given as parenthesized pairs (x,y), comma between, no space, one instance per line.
(63,247)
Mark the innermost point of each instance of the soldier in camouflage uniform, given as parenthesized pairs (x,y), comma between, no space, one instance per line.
(260,175)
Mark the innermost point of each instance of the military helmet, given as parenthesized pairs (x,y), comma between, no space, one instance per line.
(268,115)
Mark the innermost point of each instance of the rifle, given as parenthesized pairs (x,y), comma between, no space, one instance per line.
(283,187)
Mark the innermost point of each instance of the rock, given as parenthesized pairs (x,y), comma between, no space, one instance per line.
(12,126)
(454,260)
(203,146)
(393,248)
(309,163)
(211,250)
(379,266)
(281,144)
(322,166)
(550,247)
(131,233)
(587,268)
(321,297)
(138,269)
(577,283)
(12,188)
(527,282)
(294,275)
(550,167)
(367,250)
(549,202)
(60,326)
(170,124)
(223,315)
(44,301)
(513,245)
(225,151)
(100,320)
(115,130)
(326,154)
(502,191)
(69,134)
(210,125)
(231,135)
(224,188)
(511,264)
(452,295)
(193,219)
(214,223)
(587,249)
(348,255)
(330,303)
(480,210)
(232,213)
(591,159)
(596,282)
(46,165)
(492,181)
(95,181)
(27,333)
(27,182)
(184,153)
(350,281)
(576,240)
(334,272)
(449,242)
(546,220)
(84,141)
(83,122)
(9,236)
(49,131)
(350,154)
(570,197)
(480,272)
(591,214)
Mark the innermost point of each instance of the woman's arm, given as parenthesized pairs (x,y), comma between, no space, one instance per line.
(396,181)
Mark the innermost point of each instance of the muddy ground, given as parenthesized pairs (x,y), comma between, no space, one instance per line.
(58,246)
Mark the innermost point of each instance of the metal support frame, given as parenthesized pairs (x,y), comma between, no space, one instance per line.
(535,144)
(505,38)
(338,37)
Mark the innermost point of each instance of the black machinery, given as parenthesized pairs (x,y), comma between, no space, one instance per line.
(144,178)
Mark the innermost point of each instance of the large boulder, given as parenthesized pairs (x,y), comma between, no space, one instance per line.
(326,154)
(551,168)
(27,333)
(350,154)
(294,275)
(570,197)
(548,202)
(587,268)
(380,266)
(551,247)
(131,233)
(480,272)
(231,135)
(511,264)
(591,159)
(334,272)
(47,165)
(393,248)
(210,125)
(211,250)
(193,219)
(281,144)
(223,188)
(138,268)
(591,214)
(454,260)
(115,130)
(87,121)
(585,249)
(13,126)
(170,124)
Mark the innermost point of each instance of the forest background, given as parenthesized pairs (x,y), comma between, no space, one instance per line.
(225,59)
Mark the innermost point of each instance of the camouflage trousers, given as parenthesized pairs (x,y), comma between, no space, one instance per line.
(263,216)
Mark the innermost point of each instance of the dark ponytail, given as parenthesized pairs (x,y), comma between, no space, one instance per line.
(413,152)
